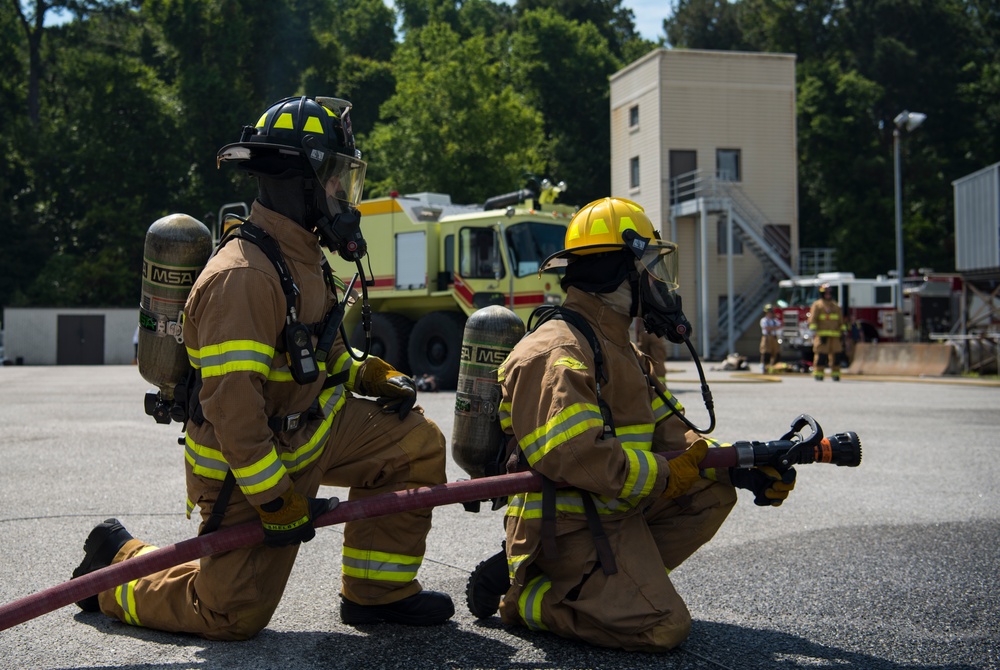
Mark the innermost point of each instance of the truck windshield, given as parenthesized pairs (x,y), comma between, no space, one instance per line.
(797,296)
(530,243)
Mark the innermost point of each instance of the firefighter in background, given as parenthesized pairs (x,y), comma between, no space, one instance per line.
(770,329)
(263,425)
(602,576)
(826,323)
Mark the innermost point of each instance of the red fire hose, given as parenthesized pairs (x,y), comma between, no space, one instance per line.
(250,533)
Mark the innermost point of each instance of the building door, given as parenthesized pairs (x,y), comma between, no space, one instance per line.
(80,339)
(682,163)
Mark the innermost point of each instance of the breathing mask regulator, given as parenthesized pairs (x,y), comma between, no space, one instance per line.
(659,304)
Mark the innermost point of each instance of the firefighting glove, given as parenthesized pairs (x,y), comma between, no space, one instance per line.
(288,520)
(685,470)
(770,487)
(394,391)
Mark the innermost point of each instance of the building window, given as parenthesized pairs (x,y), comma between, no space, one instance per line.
(633,116)
(727,164)
(737,240)
(633,172)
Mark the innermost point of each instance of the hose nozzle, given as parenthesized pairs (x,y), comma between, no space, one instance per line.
(840,449)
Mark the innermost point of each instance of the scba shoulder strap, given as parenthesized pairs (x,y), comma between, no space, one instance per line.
(297,336)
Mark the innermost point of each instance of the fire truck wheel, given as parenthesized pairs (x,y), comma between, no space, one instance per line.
(436,347)
(389,335)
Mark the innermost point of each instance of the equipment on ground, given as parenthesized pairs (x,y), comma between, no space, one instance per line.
(176,249)
(792,449)
(434,263)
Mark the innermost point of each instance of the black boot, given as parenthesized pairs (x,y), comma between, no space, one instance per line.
(100,549)
(487,584)
(427,608)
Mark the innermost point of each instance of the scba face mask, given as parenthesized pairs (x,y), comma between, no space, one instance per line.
(660,304)
(661,311)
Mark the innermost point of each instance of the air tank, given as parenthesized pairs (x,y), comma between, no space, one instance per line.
(490,335)
(176,249)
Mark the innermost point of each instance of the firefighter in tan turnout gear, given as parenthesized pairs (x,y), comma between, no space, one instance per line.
(826,323)
(590,559)
(272,422)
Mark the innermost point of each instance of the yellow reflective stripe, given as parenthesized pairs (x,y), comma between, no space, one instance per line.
(261,475)
(380,565)
(638,436)
(565,425)
(205,461)
(125,597)
(504,413)
(346,362)
(210,463)
(828,333)
(216,360)
(662,409)
(125,594)
(569,501)
(189,507)
(330,401)
(283,374)
(514,564)
(642,470)
(530,602)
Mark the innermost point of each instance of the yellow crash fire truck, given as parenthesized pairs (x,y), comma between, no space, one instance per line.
(433,263)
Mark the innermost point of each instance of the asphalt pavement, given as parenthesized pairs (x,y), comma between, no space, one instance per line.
(888,566)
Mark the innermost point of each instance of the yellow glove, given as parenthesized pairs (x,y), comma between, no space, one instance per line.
(770,487)
(289,519)
(395,391)
(685,470)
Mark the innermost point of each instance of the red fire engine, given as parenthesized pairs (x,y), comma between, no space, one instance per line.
(930,305)
(868,305)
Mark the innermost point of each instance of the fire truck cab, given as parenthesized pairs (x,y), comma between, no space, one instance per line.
(433,263)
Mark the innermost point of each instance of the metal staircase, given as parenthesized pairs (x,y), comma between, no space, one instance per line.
(699,191)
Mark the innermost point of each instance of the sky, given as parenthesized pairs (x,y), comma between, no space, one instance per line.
(649,15)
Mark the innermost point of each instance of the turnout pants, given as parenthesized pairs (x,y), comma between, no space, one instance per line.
(636,609)
(232,595)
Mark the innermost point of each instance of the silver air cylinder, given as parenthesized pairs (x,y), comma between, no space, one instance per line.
(177,248)
(490,335)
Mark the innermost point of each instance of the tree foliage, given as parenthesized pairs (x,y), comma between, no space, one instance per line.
(453,110)
(113,117)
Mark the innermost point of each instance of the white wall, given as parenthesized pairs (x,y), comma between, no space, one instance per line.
(31,333)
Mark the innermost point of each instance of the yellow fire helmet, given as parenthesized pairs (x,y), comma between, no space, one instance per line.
(611,224)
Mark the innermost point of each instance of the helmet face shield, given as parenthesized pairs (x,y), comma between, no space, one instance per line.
(342,178)
(659,259)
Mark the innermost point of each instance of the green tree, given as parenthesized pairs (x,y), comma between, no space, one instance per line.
(453,124)
(563,66)
(102,172)
(363,33)
(705,24)
(615,23)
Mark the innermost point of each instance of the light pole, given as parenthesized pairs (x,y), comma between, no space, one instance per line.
(908,121)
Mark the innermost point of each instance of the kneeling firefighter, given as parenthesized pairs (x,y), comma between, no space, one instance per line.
(274,411)
(584,409)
